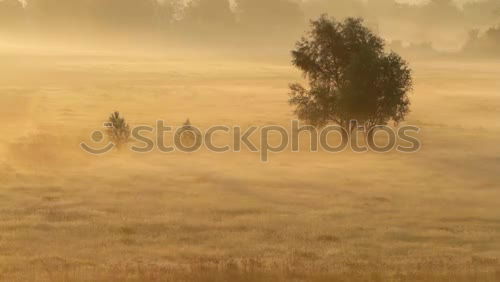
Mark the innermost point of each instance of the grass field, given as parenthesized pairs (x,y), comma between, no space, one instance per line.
(68,216)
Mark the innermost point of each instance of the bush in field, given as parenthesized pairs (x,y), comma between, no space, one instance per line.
(186,134)
(118,130)
(350,76)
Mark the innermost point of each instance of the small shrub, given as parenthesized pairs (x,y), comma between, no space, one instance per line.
(187,134)
(118,130)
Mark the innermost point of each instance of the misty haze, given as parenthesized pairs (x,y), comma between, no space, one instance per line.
(80,78)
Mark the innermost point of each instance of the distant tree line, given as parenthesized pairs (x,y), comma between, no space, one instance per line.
(197,19)
(483,44)
(240,20)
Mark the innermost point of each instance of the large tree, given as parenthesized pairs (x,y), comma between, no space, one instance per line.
(350,76)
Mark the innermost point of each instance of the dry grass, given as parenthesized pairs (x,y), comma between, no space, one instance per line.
(66,216)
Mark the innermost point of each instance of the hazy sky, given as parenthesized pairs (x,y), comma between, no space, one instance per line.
(407,1)
(423,1)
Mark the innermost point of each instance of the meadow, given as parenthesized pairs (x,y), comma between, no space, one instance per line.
(310,216)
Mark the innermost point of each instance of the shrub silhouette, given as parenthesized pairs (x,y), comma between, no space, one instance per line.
(118,130)
(187,135)
(350,76)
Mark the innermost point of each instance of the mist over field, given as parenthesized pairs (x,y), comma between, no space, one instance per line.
(67,215)
(425,28)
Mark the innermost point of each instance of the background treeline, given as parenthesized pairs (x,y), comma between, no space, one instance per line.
(438,24)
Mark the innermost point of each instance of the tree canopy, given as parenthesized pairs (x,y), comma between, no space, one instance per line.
(350,76)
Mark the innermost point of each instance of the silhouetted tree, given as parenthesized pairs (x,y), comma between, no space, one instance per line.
(350,76)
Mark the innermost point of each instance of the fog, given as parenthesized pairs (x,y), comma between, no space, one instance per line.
(67,215)
(430,27)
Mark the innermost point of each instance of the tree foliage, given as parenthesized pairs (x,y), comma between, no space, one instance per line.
(350,76)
